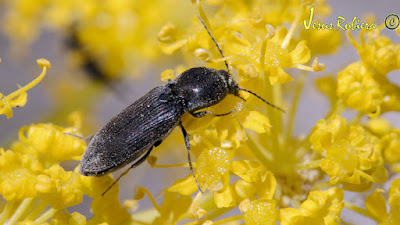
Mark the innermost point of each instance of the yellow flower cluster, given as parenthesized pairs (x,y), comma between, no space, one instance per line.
(363,85)
(34,185)
(245,160)
(254,45)
(37,188)
(350,155)
(321,207)
(28,178)
(389,145)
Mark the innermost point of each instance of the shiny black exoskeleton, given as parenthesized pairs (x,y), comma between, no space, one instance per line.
(133,133)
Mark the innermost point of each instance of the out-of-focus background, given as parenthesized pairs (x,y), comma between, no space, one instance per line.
(68,88)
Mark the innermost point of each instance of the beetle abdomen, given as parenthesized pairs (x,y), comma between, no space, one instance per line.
(131,133)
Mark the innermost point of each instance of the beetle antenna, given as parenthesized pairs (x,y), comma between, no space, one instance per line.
(87,139)
(270,104)
(219,48)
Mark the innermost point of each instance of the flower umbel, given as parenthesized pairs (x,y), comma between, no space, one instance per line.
(250,159)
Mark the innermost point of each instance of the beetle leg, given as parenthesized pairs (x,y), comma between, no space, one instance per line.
(157,143)
(241,98)
(200,114)
(203,113)
(186,138)
(135,164)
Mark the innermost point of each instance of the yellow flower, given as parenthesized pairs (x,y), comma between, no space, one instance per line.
(379,126)
(105,207)
(255,120)
(18,175)
(184,186)
(376,205)
(249,160)
(394,193)
(260,48)
(18,98)
(350,156)
(257,181)
(173,208)
(321,207)
(225,197)
(58,188)
(50,143)
(389,145)
(261,212)
(362,89)
(377,51)
(167,75)
(64,218)
(363,85)
(213,167)
(36,187)
(357,87)
(394,197)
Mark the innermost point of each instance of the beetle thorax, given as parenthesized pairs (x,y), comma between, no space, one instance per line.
(202,87)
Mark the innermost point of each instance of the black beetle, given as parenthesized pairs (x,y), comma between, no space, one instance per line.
(132,134)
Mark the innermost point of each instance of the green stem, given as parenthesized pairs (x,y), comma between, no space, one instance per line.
(270,95)
(6,211)
(25,204)
(152,200)
(146,216)
(360,210)
(218,212)
(273,115)
(337,108)
(356,119)
(290,33)
(265,157)
(36,212)
(278,99)
(293,109)
(45,216)
(229,219)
